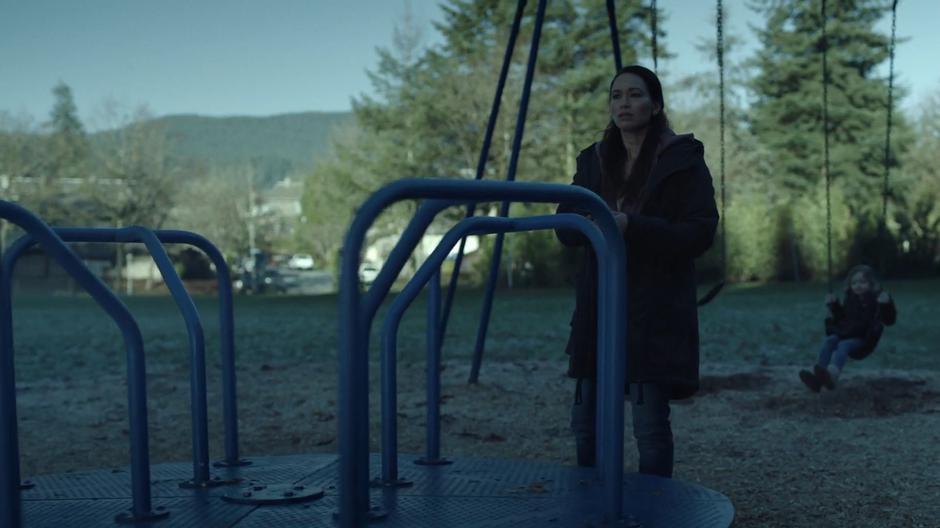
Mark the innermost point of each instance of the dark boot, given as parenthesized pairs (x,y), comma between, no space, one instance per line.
(810,380)
(822,373)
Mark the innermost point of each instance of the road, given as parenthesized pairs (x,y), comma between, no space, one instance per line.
(308,282)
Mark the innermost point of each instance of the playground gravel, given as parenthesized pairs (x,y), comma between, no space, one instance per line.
(864,455)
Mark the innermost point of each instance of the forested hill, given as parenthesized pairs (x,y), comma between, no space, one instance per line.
(276,146)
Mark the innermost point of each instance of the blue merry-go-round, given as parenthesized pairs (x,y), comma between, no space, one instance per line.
(353,487)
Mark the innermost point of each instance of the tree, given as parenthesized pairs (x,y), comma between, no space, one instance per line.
(917,192)
(787,112)
(222,206)
(575,65)
(751,223)
(326,200)
(567,109)
(384,145)
(53,182)
(68,133)
(427,111)
(21,159)
(133,182)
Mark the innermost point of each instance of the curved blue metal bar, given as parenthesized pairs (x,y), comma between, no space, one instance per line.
(404,299)
(504,208)
(432,431)
(226,313)
(10,508)
(484,156)
(401,253)
(226,317)
(354,323)
(226,335)
(197,348)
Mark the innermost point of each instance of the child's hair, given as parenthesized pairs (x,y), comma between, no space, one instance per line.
(868,272)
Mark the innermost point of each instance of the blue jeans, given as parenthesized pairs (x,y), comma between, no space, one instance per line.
(649,405)
(836,351)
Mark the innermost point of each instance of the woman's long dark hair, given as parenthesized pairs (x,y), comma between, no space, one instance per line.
(614,155)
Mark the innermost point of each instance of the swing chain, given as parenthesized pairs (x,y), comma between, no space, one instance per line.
(882,228)
(654,31)
(825,86)
(720,53)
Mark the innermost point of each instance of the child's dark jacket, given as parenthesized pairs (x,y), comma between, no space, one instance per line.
(860,313)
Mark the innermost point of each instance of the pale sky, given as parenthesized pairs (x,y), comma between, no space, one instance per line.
(247,57)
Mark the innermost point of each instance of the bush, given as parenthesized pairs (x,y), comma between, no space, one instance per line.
(194,264)
(753,232)
(809,223)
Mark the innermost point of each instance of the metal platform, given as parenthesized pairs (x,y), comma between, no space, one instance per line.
(469,492)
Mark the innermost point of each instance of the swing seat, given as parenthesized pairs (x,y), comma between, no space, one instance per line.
(871,338)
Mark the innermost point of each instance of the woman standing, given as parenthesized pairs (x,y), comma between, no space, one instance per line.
(660,192)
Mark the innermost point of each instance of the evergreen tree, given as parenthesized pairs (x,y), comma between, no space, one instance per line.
(384,144)
(575,66)
(464,74)
(427,112)
(787,113)
(750,222)
(55,188)
(916,188)
(787,119)
(67,130)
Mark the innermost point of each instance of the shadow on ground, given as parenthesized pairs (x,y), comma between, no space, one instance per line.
(740,381)
(860,397)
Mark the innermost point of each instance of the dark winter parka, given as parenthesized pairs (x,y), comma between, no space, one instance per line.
(674,224)
(859,315)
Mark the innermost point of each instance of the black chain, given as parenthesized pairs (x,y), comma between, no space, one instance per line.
(653,27)
(720,52)
(825,68)
(887,157)
(614,35)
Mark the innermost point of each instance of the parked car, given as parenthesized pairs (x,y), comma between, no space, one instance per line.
(300,261)
(277,282)
(271,281)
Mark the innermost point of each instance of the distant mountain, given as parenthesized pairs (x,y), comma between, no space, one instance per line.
(278,145)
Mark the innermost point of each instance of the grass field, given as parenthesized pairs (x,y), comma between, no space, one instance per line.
(773,325)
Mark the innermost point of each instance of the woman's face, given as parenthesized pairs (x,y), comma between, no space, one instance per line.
(630,105)
(860,284)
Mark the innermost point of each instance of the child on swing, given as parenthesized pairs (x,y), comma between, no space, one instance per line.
(854,327)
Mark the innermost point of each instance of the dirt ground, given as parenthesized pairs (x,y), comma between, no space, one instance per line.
(864,455)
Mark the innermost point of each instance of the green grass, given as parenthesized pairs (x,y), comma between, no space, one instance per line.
(774,324)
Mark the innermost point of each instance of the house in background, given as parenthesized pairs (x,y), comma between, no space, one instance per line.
(283,199)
